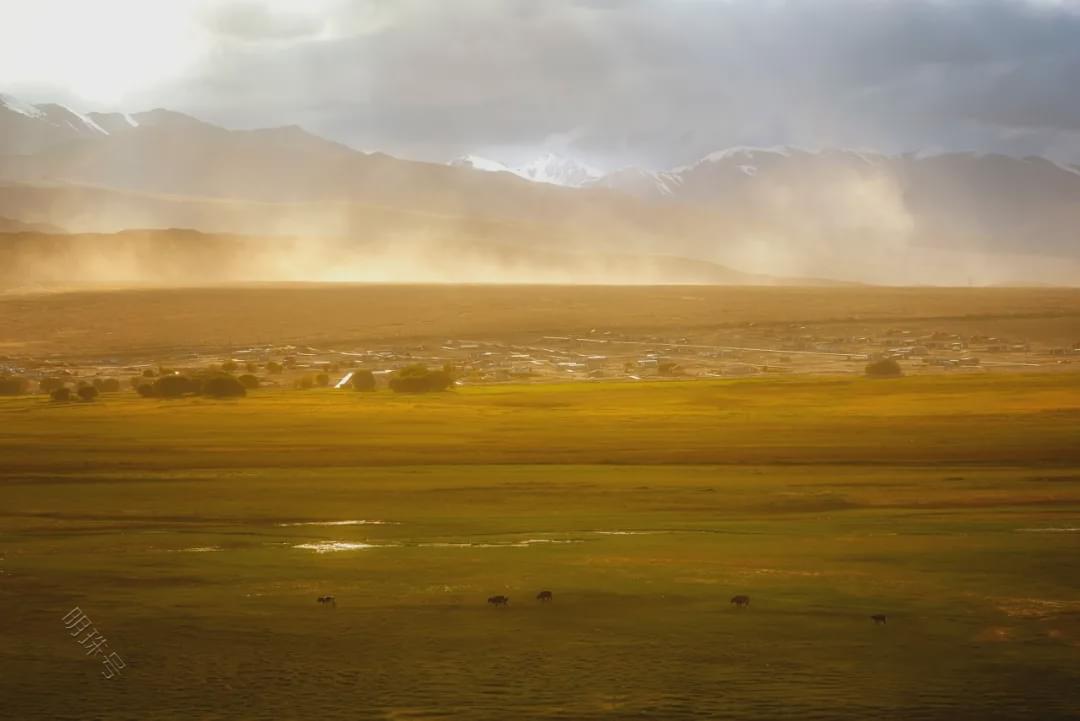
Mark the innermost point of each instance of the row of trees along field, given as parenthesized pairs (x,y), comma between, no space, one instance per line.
(219,382)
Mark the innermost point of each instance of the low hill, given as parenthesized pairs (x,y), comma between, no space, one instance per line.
(10,225)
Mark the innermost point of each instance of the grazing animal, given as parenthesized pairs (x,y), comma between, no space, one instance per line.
(544,596)
(740,600)
(327,600)
(499,601)
(880,618)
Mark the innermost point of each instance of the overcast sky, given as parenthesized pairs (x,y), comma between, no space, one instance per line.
(613,82)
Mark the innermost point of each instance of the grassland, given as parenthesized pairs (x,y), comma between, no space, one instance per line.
(190,532)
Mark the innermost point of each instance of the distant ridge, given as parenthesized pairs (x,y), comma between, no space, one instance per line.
(951,218)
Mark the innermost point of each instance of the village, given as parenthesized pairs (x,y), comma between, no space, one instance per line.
(592,355)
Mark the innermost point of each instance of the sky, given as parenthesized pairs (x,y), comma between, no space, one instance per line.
(655,83)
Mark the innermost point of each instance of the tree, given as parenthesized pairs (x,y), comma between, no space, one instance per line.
(884,368)
(420,379)
(61,394)
(174,386)
(87,393)
(229,366)
(13,385)
(304,383)
(273,368)
(146,390)
(322,380)
(223,386)
(249,381)
(250,367)
(362,380)
(149,373)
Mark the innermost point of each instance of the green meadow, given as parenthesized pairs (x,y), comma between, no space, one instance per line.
(198,534)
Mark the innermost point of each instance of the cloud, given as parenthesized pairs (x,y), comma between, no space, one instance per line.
(255,21)
(655,82)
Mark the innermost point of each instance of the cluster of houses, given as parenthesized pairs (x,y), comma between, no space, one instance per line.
(596,354)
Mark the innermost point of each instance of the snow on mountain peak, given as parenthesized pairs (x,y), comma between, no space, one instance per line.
(559,170)
(86,120)
(54,114)
(477,162)
(20,107)
(747,151)
(547,168)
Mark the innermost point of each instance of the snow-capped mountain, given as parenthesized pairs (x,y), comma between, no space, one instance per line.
(547,168)
(28,128)
(995,202)
(741,205)
(25,127)
(729,166)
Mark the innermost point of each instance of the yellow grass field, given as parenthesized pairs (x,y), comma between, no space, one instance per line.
(197,535)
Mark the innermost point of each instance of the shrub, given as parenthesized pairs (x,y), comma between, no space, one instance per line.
(249,381)
(362,380)
(304,383)
(174,386)
(13,385)
(273,368)
(322,380)
(146,390)
(250,367)
(87,393)
(61,394)
(884,368)
(48,385)
(149,373)
(223,386)
(419,379)
(230,365)
(668,368)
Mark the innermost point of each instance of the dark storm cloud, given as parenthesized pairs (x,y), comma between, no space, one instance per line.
(653,81)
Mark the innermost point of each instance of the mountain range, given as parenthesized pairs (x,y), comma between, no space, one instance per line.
(950,218)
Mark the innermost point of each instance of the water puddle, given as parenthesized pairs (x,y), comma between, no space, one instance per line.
(334,546)
(628,533)
(340,523)
(194,549)
(1038,608)
(1068,529)
(496,544)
